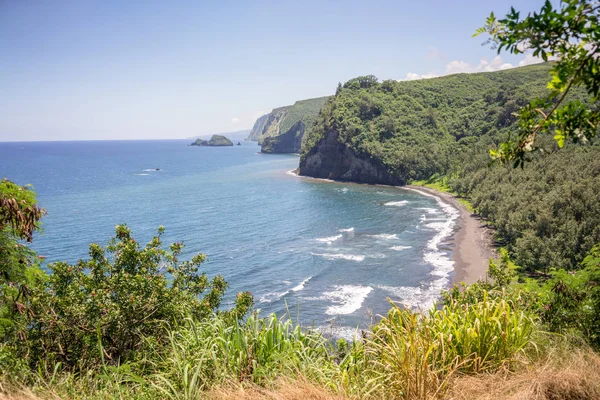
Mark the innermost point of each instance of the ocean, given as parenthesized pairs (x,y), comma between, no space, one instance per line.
(328,255)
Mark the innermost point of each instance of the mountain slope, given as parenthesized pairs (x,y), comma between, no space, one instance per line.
(411,129)
(547,214)
(282,130)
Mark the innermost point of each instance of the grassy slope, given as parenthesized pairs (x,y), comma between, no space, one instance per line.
(303,110)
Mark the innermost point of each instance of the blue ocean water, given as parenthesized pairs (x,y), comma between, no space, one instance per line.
(329,253)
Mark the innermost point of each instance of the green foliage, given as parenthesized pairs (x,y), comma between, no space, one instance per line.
(19,266)
(119,296)
(572,300)
(547,216)
(205,354)
(413,355)
(417,128)
(571,35)
(304,110)
(215,140)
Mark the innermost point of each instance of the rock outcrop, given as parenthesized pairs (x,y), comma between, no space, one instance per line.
(289,142)
(282,130)
(257,128)
(215,140)
(332,159)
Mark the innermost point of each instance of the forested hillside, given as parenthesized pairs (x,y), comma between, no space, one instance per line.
(547,215)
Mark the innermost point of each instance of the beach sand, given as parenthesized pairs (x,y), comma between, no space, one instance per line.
(473,246)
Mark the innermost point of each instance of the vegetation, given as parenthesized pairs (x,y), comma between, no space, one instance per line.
(571,35)
(282,130)
(440,130)
(136,322)
(304,110)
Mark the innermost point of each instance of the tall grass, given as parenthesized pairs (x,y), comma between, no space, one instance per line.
(409,355)
(207,354)
(413,355)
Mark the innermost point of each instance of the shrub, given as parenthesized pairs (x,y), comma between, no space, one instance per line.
(122,294)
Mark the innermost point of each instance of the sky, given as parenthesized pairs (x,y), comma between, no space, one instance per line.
(108,69)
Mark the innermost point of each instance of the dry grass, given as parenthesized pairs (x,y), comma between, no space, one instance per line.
(573,376)
(284,389)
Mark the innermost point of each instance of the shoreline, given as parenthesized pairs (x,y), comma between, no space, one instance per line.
(472,247)
(472,241)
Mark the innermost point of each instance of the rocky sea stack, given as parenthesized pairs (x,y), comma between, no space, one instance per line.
(215,140)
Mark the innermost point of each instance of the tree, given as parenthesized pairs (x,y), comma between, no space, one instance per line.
(569,35)
(20,217)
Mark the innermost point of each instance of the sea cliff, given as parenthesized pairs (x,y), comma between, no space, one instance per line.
(283,129)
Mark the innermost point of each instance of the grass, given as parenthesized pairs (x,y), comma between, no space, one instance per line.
(440,184)
(454,352)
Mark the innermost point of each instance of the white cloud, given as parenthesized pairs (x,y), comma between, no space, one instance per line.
(235,120)
(484,65)
(530,59)
(411,76)
(495,64)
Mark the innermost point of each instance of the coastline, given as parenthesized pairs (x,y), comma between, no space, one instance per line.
(472,241)
(472,247)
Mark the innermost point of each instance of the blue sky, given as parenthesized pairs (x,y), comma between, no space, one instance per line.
(82,69)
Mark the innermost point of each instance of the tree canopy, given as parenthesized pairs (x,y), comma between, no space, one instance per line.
(569,35)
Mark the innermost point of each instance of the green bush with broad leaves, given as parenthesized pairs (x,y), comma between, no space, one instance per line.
(121,295)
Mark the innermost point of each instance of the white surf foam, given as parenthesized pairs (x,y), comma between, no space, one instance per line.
(428,210)
(385,236)
(300,286)
(150,170)
(339,256)
(396,203)
(346,230)
(273,296)
(400,248)
(425,296)
(346,298)
(329,239)
(142,174)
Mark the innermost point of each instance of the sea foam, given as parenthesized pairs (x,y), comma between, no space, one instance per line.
(340,256)
(400,248)
(425,296)
(396,203)
(329,239)
(385,236)
(346,298)
(300,286)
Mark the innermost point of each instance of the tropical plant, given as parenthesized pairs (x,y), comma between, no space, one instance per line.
(570,35)
(121,295)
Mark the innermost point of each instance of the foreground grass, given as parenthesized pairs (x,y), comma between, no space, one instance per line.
(567,373)
(409,355)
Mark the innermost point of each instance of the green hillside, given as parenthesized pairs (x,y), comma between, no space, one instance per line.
(441,129)
(284,127)
(413,127)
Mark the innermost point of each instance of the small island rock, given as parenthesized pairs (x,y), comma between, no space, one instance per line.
(215,140)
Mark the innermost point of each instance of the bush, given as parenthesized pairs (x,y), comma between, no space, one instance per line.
(118,297)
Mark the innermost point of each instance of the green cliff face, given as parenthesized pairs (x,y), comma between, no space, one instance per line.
(257,128)
(392,132)
(282,130)
(215,140)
